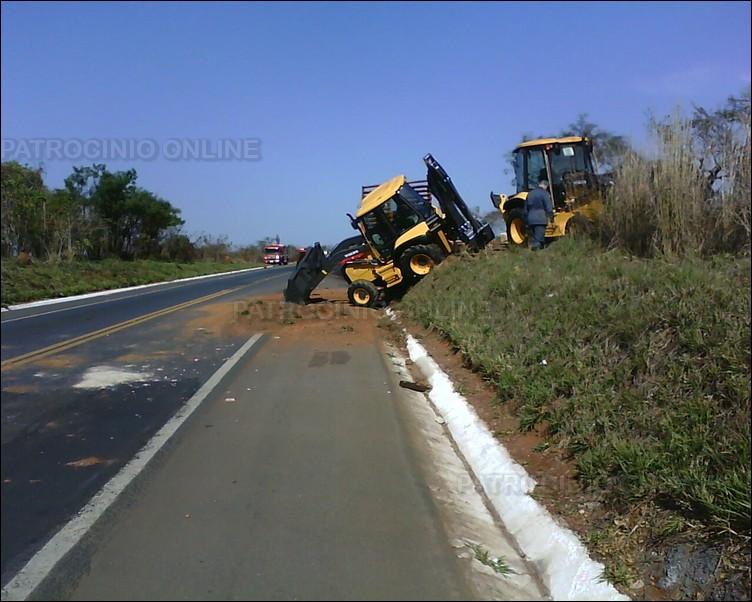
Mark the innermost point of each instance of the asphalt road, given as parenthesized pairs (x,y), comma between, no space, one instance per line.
(62,442)
(29,329)
(302,487)
(304,474)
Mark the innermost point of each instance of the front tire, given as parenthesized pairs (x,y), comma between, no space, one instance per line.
(362,293)
(417,261)
(579,227)
(516,227)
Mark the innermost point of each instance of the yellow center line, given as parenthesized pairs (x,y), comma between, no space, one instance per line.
(21,360)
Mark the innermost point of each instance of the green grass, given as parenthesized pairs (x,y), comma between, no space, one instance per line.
(499,565)
(646,379)
(47,280)
(618,575)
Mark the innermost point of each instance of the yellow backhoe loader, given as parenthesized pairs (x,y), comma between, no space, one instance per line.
(402,236)
(576,190)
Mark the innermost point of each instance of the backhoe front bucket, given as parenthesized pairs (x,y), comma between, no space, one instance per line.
(316,265)
(307,276)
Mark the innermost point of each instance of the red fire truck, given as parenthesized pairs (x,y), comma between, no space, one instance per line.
(275,254)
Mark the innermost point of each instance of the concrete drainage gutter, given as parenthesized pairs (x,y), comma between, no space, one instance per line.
(560,557)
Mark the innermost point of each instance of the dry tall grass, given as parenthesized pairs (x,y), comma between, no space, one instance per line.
(687,200)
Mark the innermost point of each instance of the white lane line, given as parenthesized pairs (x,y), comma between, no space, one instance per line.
(114,291)
(31,576)
(55,311)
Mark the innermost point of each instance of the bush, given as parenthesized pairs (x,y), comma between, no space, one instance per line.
(179,248)
(693,198)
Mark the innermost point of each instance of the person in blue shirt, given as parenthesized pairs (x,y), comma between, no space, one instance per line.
(540,211)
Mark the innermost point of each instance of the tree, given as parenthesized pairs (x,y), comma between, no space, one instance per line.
(720,137)
(178,247)
(63,222)
(722,140)
(23,196)
(212,248)
(97,213)
(90,230)
(127,220)
(146,217)
(84,180)
(109,200)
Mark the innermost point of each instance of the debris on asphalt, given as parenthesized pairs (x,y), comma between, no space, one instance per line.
(421,387)
(86,462)
(102,377)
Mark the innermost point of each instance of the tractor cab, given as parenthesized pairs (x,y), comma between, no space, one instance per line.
(392,214)
(566,163)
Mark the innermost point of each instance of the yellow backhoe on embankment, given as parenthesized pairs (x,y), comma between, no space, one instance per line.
(576,189)
(402,236)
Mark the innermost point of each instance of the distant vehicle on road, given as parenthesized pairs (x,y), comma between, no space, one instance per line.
(301,253)
(275,254)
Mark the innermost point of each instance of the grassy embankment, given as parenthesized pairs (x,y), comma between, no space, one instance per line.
(646,379)
(47,280)
(633,353)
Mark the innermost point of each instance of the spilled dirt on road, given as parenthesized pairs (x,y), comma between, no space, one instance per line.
(20,389)
(89,461)
(140,356)
(329,320)
(61,360)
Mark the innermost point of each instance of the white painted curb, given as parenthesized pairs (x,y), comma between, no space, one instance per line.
(112,291)
(560,557)
(44,561)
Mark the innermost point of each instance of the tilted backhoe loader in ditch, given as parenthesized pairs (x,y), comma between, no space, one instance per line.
(402,237)
(576,189)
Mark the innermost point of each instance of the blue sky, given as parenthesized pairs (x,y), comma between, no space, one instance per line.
(347,94)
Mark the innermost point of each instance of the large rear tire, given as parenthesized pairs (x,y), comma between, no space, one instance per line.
(362,293)
(516,227)
(418,261)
